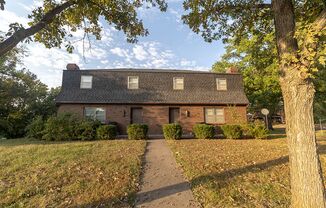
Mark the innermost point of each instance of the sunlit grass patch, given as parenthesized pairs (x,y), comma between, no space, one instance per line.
(69,174)
(238,173)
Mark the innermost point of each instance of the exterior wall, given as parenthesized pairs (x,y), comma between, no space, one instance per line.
(157,115)
(195,115)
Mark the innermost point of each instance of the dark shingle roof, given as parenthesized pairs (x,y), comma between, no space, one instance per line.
(155,87)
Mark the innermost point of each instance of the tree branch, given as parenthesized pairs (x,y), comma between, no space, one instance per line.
(320,23)
(308,46)
(245,6)
(23,33)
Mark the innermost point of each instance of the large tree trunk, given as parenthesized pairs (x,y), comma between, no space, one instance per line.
(298,93)
(306,176)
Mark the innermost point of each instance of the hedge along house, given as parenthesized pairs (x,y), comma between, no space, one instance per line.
(153,97)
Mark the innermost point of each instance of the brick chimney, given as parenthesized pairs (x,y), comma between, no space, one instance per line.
(232,70)
(72,67)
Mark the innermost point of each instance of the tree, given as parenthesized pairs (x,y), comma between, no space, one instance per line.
(255,56)
(320,98)
(53,23)
(300,49)
(22,96)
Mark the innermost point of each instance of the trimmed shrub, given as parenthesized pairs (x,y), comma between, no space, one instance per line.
(172,131)
(137,131)
(204,131)
(232,131)
(60,128)
(86,130)
(258,130)
(36,128)
(106,132)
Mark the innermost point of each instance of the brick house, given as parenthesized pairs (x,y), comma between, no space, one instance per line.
(153,97)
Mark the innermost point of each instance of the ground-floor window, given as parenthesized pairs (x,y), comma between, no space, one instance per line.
(95,113)
(214,115)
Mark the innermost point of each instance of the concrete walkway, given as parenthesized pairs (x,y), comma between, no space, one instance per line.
(162,183)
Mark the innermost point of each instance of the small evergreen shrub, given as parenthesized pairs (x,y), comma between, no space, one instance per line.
(36,128)
(86,130)
(137,131)
(60,128)
(204,131)
(106,132)
(232,131)
(172,131)
(258,130)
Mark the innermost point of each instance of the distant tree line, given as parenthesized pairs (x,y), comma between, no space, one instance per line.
(22,96)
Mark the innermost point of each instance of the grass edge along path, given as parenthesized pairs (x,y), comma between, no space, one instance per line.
(238,173)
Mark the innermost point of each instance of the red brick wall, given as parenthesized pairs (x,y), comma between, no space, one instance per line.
(157,115)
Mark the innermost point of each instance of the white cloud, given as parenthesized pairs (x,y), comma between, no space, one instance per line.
(35,4)
(48,64)
(8,17)
(140,53)
(119,52)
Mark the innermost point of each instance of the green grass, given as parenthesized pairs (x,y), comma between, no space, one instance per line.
(69,174)
(237,173)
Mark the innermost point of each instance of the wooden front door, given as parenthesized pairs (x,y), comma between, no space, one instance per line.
(174,114)
(136,115)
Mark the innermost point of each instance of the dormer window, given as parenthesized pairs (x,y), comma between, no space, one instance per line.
(86,82)
(133,82)
(178,83)
(221,84)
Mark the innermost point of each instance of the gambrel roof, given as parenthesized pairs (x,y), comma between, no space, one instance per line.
(109,86)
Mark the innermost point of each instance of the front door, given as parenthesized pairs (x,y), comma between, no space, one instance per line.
(136,115)
(174,114)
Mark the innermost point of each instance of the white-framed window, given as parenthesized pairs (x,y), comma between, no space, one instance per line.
(214,115)
(133,82)
(86,82)
(95,113)
(221,84)
(178,83)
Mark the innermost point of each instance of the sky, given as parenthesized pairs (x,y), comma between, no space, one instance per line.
(169,45)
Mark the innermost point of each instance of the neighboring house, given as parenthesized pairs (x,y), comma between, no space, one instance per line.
(154,97)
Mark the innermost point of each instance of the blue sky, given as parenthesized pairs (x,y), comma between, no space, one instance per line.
(170,44)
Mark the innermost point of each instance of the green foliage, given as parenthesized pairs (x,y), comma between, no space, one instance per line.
(137,131)
(320,98)
(70,16)
(36,128)
(85,130)
(204,131)
(106,132)
(22,96)
(232,131)
(256,130)
(172,131)
(255,56)
(61,127)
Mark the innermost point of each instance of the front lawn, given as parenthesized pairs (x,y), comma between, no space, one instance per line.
(69,174)
(238,173)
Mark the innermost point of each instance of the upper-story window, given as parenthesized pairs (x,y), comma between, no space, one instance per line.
(221,84)
(178,83)
(86,82)
(133,82)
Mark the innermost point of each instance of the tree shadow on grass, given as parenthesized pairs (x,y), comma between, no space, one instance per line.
(221,177)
